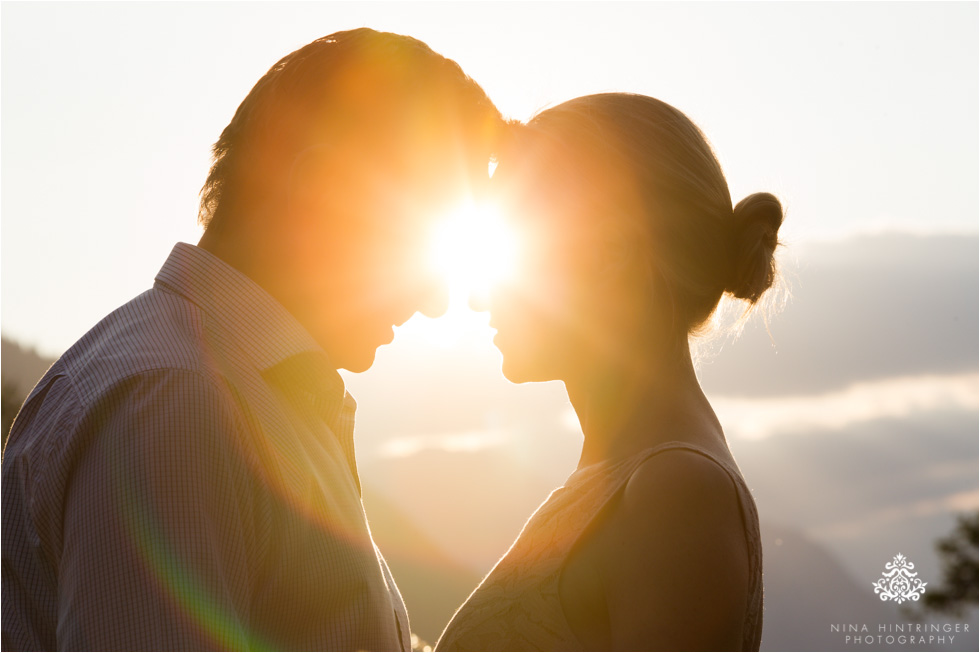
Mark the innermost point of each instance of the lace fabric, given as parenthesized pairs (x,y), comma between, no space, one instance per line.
(517,606)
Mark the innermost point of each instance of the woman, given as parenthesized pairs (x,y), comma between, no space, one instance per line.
(653,542)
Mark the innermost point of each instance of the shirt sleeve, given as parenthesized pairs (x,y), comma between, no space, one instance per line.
(159,522)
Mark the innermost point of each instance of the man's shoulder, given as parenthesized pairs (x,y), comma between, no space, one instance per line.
(149,354)
(155,332)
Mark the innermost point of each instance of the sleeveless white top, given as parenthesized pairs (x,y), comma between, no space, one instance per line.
(517,606)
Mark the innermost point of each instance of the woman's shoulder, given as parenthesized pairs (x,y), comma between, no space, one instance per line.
(676,527)
(682,469)
(685,484)
(680,506)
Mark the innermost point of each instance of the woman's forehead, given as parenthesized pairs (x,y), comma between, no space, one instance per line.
(570,193)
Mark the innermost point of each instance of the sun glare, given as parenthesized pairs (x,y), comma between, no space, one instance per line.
(473,248)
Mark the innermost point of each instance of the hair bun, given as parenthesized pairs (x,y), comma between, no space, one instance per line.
(756,222)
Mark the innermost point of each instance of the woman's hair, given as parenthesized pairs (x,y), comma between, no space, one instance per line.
(640,146)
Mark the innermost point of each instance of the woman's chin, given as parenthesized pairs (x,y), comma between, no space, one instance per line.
(512,375)
(519,371)
(522,363)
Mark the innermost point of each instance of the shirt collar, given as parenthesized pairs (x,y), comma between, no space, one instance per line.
(263,332)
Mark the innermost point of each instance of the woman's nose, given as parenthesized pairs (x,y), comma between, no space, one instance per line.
(479,300)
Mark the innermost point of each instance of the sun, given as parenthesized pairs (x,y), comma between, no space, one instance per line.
(473,248)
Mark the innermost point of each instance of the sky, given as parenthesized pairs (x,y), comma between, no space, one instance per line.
(853,415)
(861,117)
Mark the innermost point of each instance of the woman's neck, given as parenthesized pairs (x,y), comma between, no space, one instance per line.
(627,408)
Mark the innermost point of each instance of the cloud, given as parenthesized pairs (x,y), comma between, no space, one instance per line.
(826,476)
(870,487)
(902,513)
(757,418)
(862,309)
(470,441)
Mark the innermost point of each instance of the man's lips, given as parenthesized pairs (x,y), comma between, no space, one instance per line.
(402,321)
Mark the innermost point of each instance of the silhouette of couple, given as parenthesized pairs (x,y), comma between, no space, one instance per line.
(184,476)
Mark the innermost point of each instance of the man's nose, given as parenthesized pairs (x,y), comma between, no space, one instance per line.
(435,301)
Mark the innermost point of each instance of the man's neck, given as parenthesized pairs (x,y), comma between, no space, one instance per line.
(256,258)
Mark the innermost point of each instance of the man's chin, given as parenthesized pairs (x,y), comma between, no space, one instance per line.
(358,362)
(361,364)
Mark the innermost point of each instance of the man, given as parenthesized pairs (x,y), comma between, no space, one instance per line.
(184,476)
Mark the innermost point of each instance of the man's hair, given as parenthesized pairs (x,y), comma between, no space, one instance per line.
(358,81)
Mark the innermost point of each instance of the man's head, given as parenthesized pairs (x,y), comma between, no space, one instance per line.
(329,177)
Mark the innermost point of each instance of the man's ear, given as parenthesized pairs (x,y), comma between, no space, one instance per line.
(306,174)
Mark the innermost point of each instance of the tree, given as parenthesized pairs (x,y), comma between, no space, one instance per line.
(958,557)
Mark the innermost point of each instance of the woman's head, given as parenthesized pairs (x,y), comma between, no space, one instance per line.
(632,237)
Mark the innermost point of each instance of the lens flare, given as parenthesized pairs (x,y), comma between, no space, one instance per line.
(473,248)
